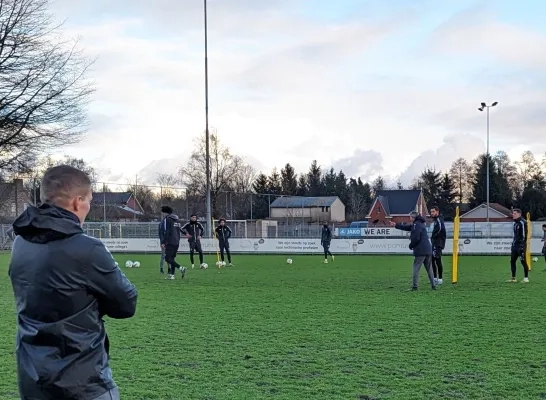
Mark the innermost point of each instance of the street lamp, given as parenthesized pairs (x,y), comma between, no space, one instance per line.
(207,138)
(482,107)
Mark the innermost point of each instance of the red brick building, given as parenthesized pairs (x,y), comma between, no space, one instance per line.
(497,213)
(396,205)
(115,206)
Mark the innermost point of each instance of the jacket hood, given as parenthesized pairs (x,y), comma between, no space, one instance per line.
(173,216)
(46,223)
(419,218)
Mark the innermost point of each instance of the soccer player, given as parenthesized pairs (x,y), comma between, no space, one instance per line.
(519,245)
(543,240)
(438,239)
(223,233)
(421,247)
(171,241)
(193,231)
(65,283)
(325,240)
(161,232)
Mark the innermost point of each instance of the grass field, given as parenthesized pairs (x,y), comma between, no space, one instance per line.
(347,330)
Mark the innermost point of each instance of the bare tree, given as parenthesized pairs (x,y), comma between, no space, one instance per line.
(357,205)
(226,169)
(167,183)
(527,168)
(43,85)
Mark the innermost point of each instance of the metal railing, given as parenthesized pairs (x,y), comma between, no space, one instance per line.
(249,229)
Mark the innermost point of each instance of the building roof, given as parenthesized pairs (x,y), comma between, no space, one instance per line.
(492,206)
(118,198)
(303,202)
(398,202)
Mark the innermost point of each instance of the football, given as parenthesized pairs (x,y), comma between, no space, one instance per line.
(535,259)
(223,263)
(204,265)
(129,264)
(289,261)
(136,264)
(219,264)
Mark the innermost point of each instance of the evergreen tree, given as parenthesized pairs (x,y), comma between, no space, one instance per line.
(289,180)
(341,188)
(430,182)
(303,187)
(260,204)
(461,176)
(446,200)
(314,180)
(479,181)
(533,198)
(399,185)
(274,184)
(329,181)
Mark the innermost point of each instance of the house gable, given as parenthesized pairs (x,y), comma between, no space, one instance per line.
(481,212)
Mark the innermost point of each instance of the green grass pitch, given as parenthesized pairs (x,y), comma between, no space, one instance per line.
(347,330)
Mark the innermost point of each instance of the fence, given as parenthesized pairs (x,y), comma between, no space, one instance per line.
(279,229)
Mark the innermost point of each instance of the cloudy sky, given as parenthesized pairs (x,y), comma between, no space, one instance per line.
(373,87)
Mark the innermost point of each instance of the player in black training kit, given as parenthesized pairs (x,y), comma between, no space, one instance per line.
(325,240)
(438,240)
(519,246)
(223,233)
(543,240)
(193,231)
(170,241)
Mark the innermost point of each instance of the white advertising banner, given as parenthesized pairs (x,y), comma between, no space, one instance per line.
(359,232)
(312,246)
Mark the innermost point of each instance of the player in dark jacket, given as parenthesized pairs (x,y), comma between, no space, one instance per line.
(223,233)
(65,283)
(325,240)
(171,241)
(543,240)
(438,239)
(161,234)
(519,246)
(194,231)
(421,247)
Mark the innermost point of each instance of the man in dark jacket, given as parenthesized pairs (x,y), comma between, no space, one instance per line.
(171,241)
(421,247)
(64,283)
(438,239)
(223,233)
(161,233)
(325,240)
(519,246)
(194,231)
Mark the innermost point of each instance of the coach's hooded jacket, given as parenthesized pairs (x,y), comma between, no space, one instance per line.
(419,241)
(171,231)
(64,283)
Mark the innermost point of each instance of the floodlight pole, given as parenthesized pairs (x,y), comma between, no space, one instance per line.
(207,138)
(487,178)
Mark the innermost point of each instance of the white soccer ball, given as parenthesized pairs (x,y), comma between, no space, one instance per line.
(535,259)
(218,264)
(289,261)
(129,264)
(136,264)
(204,265)
(223,263)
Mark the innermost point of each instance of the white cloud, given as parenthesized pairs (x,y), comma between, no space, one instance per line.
(285,88)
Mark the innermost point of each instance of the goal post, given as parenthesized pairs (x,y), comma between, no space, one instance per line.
(238,227)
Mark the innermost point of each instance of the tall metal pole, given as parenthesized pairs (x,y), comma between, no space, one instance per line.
(487,173)
(487,178)
(207,139)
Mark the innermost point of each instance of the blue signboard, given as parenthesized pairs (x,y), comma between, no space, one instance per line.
(350,232)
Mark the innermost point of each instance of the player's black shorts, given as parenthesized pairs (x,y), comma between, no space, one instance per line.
(170,252)
(195,245)
(436,252)
(224,244)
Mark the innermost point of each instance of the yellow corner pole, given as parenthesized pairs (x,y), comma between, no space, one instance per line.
(528,240)
(455,259)
(216,244)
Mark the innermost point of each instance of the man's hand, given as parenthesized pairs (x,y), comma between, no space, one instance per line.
(163,246)
(322,243)
(198,237)
(392,223)
(188,235)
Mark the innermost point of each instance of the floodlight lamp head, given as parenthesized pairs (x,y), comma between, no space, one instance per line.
(484,105)
(494,104)
(481,109)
